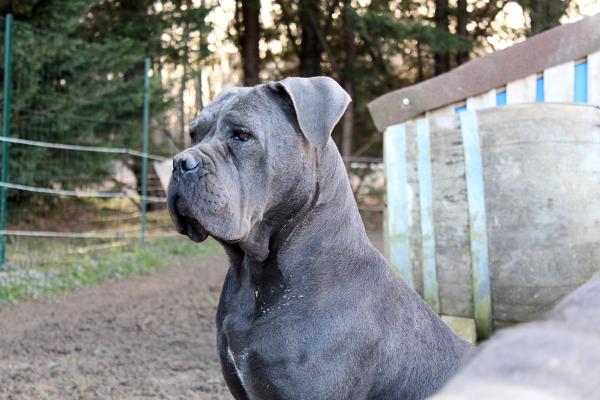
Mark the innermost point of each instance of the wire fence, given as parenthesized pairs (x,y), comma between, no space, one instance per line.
(76,173)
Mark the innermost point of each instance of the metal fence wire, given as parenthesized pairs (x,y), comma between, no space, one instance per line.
(76,173)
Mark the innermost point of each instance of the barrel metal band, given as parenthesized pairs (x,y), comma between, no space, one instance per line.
(482,301)
(396,227)
(428,264)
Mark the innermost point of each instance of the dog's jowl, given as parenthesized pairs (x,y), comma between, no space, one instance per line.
(309,308)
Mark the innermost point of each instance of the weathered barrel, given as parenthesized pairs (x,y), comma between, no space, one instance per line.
(502,208)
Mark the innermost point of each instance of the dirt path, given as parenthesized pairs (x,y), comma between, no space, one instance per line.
(147,337)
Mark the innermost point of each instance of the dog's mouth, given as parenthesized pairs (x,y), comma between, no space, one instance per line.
(185,223)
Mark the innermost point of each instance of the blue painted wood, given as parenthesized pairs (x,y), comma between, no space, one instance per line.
(539,90)
(580,94)
(501,98)
(482,300)
(396,224)
(428,264)
(460,109)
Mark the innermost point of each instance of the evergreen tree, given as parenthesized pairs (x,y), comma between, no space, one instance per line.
(78,78)
(544,14)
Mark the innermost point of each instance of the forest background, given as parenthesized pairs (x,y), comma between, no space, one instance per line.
(199,47)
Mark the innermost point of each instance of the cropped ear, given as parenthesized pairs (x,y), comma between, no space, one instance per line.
(319,103)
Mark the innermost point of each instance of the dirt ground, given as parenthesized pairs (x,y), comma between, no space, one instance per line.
(146,337)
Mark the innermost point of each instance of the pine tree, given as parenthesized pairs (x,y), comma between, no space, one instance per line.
(78,79)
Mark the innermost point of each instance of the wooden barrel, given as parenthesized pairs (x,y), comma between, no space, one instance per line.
(496,213)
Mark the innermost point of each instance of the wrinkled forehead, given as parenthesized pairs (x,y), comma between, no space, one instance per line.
(240,100)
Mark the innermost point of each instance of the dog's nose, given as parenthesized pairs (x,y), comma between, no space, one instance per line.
(185,162)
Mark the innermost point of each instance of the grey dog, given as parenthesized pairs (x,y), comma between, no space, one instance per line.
(309,308)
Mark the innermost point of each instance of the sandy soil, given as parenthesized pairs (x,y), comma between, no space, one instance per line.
(147,337)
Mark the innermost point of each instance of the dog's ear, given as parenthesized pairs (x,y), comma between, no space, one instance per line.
(319,104)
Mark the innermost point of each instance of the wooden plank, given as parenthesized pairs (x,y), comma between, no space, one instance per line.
(428,264)
(552,47)
(559,83)
(464,328)
(522,90)
(482,300)
(580,85)
(593,61)
(539,89)
(451,219)
(501,98)
(485,100)
(414,208)
(445,115)
(396,235)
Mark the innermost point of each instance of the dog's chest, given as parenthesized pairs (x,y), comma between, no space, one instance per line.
(238,363)
(236,351)
(254,377)
(247,359)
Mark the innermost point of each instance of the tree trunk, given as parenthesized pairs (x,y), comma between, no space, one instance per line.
(182,125)
(441,56)
(310,48)
(544,14)
(461,29)
(199,91)
(420,70)
(249,39)
(348,78)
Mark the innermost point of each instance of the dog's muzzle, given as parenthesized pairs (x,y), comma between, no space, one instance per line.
(185,165)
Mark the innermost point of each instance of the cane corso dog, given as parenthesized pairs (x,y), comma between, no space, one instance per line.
(309,308)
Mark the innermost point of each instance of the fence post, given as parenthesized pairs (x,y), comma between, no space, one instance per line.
(397,229)
(8,30)
(145,148)
(482,297)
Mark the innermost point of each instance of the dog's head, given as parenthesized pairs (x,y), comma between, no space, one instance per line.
(253,160)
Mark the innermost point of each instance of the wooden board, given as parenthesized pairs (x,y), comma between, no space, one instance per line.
(445,115)
(396,234)
(541,169)
(478,241)
(451,219)
(580,84)
(550,48)
(559,82)
(414,207)
(428,262)
(593,61)
(485,100)
(522,90)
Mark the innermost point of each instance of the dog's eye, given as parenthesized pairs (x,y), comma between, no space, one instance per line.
(241,135)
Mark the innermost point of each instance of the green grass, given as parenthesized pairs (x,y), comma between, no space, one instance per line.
(67,272)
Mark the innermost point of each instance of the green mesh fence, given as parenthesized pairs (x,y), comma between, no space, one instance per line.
(73,176)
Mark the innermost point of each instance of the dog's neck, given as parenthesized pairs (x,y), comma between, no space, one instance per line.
(324,215)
